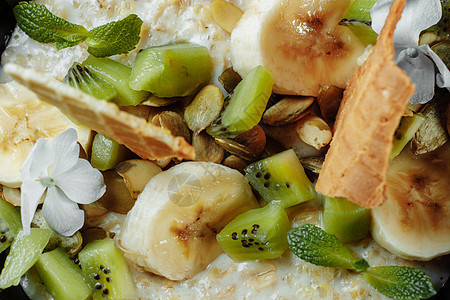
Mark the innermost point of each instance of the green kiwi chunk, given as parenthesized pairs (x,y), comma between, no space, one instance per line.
(348,221)
(82,78)
(281,177)
(172,70)
(256,234)
(10,224)
(62,278)
(362,31)
(405,132)
(246,105)
(106,271)
(25,251)
(107,153)
(360,11)
(442,28)
(117,75)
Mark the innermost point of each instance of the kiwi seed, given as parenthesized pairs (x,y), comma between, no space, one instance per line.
(98,286)
(3,238)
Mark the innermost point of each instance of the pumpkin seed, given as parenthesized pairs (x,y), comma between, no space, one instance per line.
(313,163)
(431,134)
(329,100)
(229,79)
(154,101)
(92,233)
(117,197)
(236,148)
(206,149)
(225,14)
(235,162)
(204,109)
(174,123)
(248,145)
(314,131)
(287,110)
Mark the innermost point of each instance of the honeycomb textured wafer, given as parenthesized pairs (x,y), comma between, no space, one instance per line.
(356,164)
(144,139)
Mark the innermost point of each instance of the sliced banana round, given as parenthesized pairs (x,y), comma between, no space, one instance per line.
(414,222)
(171,230)
(23,120)
(299,42)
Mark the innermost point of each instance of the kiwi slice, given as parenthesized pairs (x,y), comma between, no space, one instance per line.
(106,271)
(360,11)
(171,70)
(281,177)
(405,132)
(256,234)
(245,107)
(25,251)
(107,153)
(117,75)
(82,78)
(62,278)
(348,221)
(442,28)
(10,224)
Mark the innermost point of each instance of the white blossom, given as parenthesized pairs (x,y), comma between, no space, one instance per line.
(53,170)
(417,61)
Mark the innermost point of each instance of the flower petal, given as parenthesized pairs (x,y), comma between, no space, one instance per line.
(82,183)
(417,16)
(66,150)
(31,194)
(37,161)
(420,70)
(63,215)
(443,77)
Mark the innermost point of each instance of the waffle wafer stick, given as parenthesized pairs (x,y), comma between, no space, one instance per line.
(356,164)
(144,139)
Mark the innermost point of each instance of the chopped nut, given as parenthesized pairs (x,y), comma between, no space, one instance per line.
(431,134)
(287,110)
(235,162)
(314,131)
(136,173)
(12,195)
(225,14)
(329,100)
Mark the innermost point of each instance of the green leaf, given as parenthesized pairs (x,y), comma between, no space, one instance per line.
(318,247)
(115,37)
(43,26)
(400,282)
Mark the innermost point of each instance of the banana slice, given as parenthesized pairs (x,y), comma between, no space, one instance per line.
(414,222)
(171,230)
(23,120)
(299,42)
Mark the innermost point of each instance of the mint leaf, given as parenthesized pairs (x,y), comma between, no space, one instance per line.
(115,37)
(43,26)
(314,245)
(400,282)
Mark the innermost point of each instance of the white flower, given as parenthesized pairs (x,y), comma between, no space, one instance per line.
(53,170)
(416,61)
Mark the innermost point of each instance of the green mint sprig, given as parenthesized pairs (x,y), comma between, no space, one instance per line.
(318,247)
(41,25)
(113,38)
(314,245)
